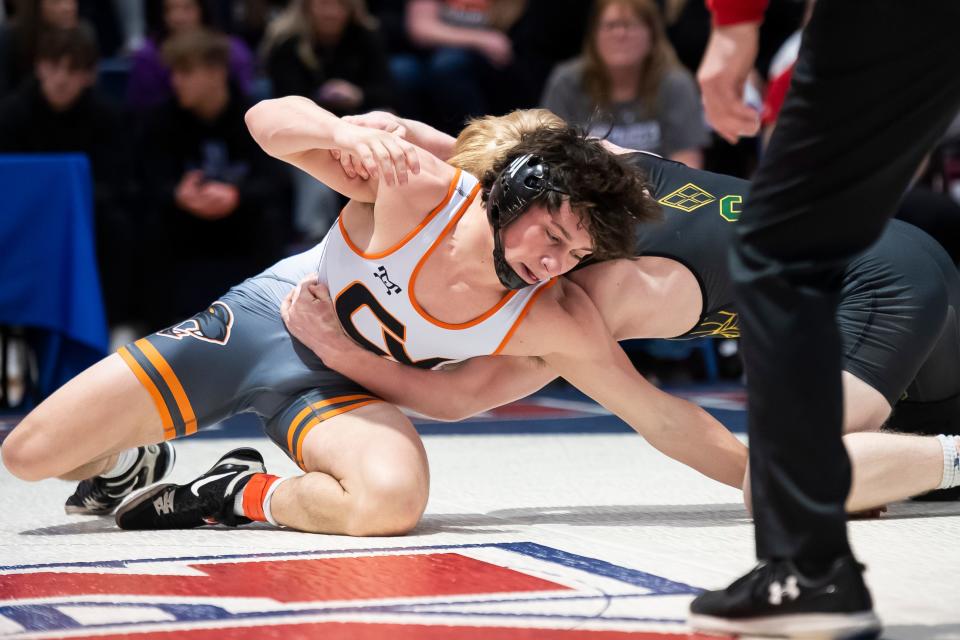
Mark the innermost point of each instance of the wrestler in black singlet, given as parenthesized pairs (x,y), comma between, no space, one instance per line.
(899,302)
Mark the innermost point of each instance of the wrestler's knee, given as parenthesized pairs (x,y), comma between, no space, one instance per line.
(27,451)
(391,503)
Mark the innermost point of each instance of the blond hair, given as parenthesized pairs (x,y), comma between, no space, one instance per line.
(485,141)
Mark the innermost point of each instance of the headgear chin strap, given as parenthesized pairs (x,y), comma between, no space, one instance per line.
(518,185)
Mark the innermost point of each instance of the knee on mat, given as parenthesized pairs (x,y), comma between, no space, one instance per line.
(26,455)
(390,505)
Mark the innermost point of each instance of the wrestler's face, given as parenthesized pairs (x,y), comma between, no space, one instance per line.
(623,38)
(540,245)
(60,84)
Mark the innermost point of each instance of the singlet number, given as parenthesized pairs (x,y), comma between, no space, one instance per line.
(357,296)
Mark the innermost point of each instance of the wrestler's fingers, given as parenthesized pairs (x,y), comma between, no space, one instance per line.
(385,162)
(368,161)
(411,156)
(285,307)
(398,160)
(319,290)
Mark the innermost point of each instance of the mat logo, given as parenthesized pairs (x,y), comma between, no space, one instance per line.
(203,597)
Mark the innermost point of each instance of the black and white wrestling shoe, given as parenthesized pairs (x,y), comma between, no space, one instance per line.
(206,500)
(100,496)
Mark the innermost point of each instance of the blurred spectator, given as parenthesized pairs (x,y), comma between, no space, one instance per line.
(464,49)
(20,36)
(59,111)
(149,83)
(331,52)
(218,199)
(628,86)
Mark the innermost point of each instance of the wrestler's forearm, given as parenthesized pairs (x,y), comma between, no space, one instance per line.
(398,384)
(465,389)
(677,428)
(426,137)
(291,125)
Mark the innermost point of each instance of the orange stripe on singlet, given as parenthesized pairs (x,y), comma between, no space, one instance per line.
(163,368)
(326,415)
(382,254)
(416,271)
(319,405)
(169,431)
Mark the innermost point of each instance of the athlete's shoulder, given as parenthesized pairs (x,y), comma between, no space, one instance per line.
(560,316)
(404,206)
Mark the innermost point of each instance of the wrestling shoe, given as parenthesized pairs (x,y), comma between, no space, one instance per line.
(775,599)
(100,496)
(206,500)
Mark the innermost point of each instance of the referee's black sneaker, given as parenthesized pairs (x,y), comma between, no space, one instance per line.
(777,600)
(206,500)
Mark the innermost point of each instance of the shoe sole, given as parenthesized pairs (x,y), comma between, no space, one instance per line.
(136,499)
(72,510)
(826,626)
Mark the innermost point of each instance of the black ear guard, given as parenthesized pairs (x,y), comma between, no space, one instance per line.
(518,185)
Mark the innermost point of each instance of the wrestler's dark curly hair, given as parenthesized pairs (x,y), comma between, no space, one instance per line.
(604,192)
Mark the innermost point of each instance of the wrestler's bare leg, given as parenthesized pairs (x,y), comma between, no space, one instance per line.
(887,467)
(77,432)
(367,475)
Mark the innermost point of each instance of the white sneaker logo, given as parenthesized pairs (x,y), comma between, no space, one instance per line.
(778,591)
(164,503)
(195,487)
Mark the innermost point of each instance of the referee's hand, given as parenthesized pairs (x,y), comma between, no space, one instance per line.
(727,62)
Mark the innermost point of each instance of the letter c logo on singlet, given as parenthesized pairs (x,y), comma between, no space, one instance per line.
(357,296)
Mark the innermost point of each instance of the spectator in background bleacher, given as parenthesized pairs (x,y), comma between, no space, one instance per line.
(149,82)
(331,52)
(464,51)
(20,36)
(628,86)
(59,110)
(217,198)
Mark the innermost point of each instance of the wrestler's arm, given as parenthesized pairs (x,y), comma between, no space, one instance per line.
(297,131)
(575,344)
(418,133)
(452,393)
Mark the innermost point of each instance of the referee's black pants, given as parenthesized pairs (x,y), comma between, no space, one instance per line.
(876,84)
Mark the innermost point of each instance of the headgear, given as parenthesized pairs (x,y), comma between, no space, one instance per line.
(515,189)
